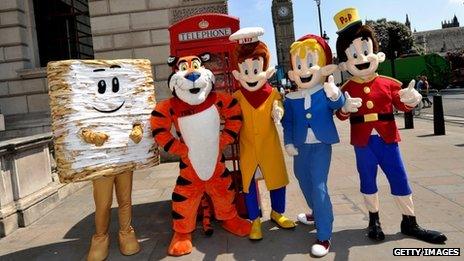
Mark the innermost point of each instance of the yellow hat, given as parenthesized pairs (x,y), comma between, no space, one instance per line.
(346,18)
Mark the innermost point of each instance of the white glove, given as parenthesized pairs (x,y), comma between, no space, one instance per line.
(331,90)
(277,112)
(410,96)
(351,104)
(291,150)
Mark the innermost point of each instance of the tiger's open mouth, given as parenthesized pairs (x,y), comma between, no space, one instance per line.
(194,90)
(252,84)
(306,79)
(363,66)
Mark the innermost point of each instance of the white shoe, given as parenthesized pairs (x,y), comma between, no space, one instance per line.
(320,248)
(304,218)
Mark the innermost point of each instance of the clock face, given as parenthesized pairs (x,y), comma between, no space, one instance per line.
(283,11)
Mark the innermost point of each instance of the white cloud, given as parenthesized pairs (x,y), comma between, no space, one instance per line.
(456,2)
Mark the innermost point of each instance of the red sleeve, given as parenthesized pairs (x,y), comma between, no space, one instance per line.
(231,113)
(341,115)
(161,123)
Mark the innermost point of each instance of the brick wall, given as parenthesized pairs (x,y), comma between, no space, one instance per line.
(140,30)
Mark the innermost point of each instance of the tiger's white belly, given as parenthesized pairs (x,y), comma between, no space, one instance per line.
(201,135)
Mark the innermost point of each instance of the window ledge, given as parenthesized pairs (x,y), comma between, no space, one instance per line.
(40,72)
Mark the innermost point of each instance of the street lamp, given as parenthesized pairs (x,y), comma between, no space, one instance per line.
(318,3)
(325,37)
(281,70)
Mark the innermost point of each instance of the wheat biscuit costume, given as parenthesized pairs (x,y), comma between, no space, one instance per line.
(261,154)
(195,111)
(100,118)
(374,134)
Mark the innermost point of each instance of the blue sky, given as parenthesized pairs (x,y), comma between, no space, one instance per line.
(423,14)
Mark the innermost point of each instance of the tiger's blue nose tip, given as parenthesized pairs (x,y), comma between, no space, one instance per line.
(193,76)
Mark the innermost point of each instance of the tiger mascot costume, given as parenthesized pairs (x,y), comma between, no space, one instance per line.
(196,112)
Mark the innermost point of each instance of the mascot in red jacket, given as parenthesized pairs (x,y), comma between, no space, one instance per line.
(374,134)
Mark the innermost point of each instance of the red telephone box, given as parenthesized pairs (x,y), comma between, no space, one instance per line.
(210,33)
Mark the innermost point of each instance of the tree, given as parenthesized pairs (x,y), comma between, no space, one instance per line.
(393,37)
(456,59)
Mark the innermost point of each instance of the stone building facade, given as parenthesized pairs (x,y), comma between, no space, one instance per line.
(119,29)
(449,38)
(23,91)
(441,40)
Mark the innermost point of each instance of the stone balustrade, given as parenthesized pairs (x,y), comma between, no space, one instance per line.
(29,186)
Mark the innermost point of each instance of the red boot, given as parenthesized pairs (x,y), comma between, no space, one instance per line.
(237,226)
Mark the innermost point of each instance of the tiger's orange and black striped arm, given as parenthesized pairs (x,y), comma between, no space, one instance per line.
(232,115)
(161,122)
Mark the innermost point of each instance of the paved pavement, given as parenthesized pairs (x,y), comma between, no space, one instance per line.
(436,169)
(453,105)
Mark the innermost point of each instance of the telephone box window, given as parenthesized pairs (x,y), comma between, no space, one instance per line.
(63,30)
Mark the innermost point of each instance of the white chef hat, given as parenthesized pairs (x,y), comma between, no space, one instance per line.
(247,35)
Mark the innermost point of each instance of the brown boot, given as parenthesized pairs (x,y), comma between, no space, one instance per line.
(128,244)
(99,248)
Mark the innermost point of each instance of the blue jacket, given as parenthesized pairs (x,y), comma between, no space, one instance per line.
(319,117)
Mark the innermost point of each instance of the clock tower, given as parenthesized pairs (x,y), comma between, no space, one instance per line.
(282,17)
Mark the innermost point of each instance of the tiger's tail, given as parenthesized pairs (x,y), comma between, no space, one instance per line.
(206,208)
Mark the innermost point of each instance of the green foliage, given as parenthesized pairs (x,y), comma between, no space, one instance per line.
(393,37)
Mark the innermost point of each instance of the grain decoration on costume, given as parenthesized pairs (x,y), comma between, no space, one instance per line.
(97,108)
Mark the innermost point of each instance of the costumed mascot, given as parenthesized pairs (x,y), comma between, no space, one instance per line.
(374,134)
(261,155)
(100,118)
(309,130)
(196,112)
